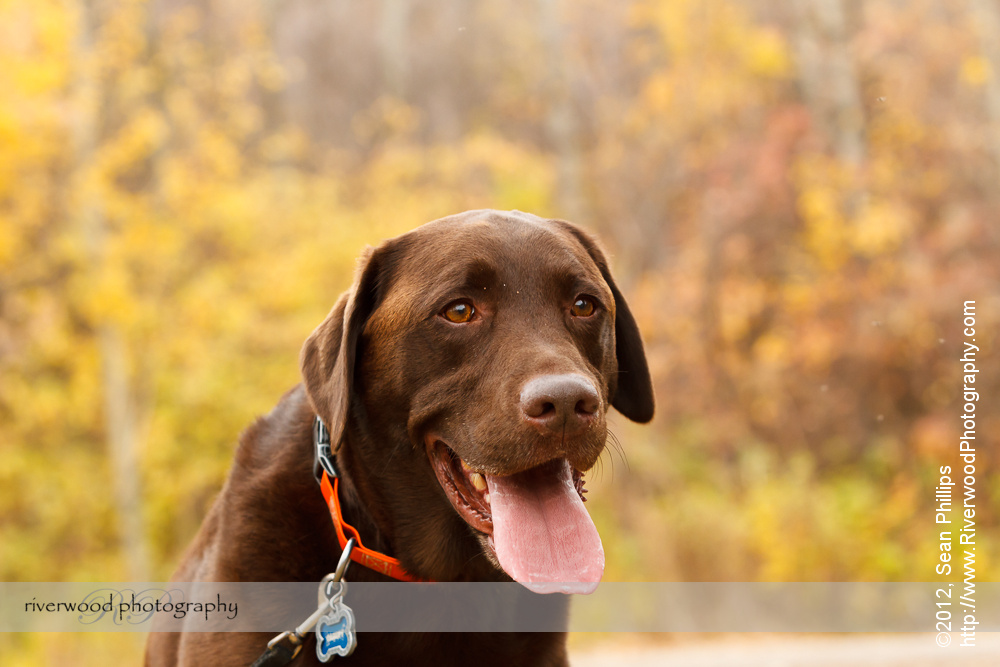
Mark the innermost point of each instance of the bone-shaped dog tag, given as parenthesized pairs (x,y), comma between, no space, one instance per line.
(335,630)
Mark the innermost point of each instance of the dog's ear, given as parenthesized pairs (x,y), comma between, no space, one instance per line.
(328,356)
(634,394)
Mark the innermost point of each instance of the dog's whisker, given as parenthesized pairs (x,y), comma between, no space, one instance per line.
(615,447)
(600,465)
(471,559)
(620,449)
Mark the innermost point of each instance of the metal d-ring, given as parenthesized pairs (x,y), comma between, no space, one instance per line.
(336,577)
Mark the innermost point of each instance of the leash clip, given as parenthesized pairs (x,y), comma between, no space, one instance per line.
(286,645)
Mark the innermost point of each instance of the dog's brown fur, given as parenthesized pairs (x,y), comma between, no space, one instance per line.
(386,373)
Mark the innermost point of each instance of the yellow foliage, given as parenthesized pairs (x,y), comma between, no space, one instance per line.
(806,529)
(767,54)
(740,302)
(826,233)
(880,227)
(716,57)
(143,133)
(975,70)
(387,116)
(772,349)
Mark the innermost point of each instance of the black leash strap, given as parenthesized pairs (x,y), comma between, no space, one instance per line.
(280,653)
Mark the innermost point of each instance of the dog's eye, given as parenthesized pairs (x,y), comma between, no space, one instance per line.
(458,312)
(583,306)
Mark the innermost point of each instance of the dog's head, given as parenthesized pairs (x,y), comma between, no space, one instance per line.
(469,371)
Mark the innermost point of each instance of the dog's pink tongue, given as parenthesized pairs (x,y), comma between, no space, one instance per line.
(543,535)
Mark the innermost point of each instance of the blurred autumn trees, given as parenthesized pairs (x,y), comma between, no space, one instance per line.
(798,198)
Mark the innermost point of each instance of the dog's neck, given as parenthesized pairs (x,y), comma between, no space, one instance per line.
(354,511)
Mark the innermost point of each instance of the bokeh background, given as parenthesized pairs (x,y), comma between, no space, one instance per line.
(797,198)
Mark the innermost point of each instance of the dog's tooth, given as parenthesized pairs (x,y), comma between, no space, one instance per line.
(478,481)
(465,465)
(486,497)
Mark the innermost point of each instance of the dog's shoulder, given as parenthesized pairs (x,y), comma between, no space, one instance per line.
(270,503)
(275,440)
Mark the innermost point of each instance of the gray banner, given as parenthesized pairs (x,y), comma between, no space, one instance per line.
(485,607)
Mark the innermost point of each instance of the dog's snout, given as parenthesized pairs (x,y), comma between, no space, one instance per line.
(560,403)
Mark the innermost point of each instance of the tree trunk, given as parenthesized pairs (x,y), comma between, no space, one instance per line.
(561,121)
(987,20)
(119,405)
(393,40)
(826,73)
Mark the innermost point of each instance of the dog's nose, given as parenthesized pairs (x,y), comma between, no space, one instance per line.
(560,403)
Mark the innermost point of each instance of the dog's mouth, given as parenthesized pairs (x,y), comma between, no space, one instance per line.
(534,520)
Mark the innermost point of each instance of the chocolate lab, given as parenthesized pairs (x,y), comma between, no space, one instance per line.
(464,381)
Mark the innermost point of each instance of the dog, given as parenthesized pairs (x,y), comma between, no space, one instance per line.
(464,382)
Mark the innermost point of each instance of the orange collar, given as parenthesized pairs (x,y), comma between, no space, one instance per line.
(373,560)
